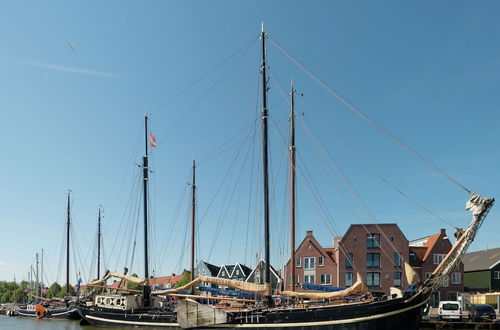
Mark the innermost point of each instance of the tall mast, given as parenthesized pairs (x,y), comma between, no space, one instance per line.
(145,174)
(267,273)
(67,241)
(42,275)
(37,286)
(193,218)
(99,244)
(292,187)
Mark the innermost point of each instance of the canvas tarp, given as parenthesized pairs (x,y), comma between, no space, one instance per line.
(243,286)
(131,279)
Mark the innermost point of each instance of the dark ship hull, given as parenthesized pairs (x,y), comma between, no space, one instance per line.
(389,314)
(130,318)
(68,313)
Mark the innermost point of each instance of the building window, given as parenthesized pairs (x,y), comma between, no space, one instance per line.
(320,261)
(496,275)
(397,259)
(438,258)
(397,278)
(446,281)
(297,262)
(296,279)
(373,260)
(373,279)
(237,272)
(373,240)
(309,263)
(309,279)
(348,260)
(223,273)
(412,256)
(257,276)
(348,279)
(325,279)
(456,278)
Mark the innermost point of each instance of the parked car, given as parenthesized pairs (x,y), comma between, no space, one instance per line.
(450,310)
(482,312)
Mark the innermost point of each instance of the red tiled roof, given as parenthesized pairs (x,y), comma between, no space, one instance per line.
(431,241)
(163,280)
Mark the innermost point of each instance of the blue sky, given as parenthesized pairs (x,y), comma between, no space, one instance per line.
(78,77)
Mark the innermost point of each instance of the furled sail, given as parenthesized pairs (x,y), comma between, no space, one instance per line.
(357,287)
(108,275)
(411,276)
(244,286)
(479,207)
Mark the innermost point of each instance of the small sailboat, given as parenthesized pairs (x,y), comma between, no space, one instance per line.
(55,308)
(137,309)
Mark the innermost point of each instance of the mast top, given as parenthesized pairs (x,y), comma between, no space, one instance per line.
(262,29)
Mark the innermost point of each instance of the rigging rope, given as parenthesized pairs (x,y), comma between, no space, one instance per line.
(364,116)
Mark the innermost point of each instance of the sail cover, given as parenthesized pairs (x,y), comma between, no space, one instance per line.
(243,286)
(357,287)
(131,279)
(411,276)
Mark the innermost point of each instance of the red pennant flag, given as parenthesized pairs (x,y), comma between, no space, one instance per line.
(152,140)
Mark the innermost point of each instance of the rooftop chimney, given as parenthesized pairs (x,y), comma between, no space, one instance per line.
(309,233)
(443,231)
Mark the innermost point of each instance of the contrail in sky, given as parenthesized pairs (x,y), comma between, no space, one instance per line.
(73,70)
(61,67)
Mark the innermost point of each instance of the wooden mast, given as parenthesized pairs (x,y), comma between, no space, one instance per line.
(145,174)
(42,274)
(38,289)
(193,218)
(265,115)
(68,215)
(99,244)
(292,187)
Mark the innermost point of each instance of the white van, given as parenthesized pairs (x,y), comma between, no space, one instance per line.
(450,310)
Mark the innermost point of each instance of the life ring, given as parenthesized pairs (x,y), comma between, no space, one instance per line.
(173,299)
(277,301)
(40,311)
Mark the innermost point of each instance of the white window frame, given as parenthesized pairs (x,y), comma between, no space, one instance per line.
(372,279)
(297,262)
(400,279)
(349,260)
(309,279)
(321,261)
(446,282)
(307,262)
(348,278)
(437,258)
(456,278)
(398,255)
(323,278)
(496,275)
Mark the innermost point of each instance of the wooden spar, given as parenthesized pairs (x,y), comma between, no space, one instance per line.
(193,218)
(99,244)
(207,297)
(292,188)
(117,289)
(67,241)
(265,115)
(145,174)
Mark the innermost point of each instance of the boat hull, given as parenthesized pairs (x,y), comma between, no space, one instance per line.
(68,313)
(390,314)
(134,318)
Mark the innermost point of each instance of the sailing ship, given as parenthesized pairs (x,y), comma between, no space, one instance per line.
(54,308)
(350,308)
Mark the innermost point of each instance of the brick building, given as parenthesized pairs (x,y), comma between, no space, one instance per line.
(313,264)
(425,254)
(377,252)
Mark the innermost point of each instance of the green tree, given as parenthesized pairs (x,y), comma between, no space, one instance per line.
(62,292)
(54,290)
(6,297)
(133,286)
(186,278)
